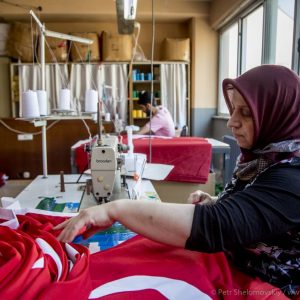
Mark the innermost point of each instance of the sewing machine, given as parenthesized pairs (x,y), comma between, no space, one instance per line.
(106,168)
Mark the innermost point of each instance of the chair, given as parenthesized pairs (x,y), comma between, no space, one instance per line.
(184,131)
(234,153)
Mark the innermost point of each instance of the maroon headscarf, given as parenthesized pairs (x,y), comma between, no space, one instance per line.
(272,93)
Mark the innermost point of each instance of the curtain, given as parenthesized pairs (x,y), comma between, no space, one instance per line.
(109,79)
(174,91)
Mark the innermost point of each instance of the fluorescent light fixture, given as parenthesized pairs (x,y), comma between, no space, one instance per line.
(130,9)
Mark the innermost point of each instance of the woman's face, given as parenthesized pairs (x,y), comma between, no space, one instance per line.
(241,122)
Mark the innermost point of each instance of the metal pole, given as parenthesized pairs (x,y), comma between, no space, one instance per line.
(43,33)
(44,149)
(44,127)
(99,122)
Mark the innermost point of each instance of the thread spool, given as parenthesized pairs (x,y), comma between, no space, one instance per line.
(129,140)
(107,117)
(30,105)
(26,174)
(91,101)
(139,113)
(64,102)
(42,100)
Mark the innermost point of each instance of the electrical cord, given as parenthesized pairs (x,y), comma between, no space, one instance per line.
(40,132)
(22,132)
(137,25)
(87,128)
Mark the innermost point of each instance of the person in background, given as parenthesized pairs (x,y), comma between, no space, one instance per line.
(161,122)
(255,221)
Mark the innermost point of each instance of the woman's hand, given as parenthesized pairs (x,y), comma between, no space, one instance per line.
(168,223)
(89,221)
(199,197)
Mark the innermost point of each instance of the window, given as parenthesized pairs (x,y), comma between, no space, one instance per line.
(229,54)
(284,33)
(264,33)
(252,31)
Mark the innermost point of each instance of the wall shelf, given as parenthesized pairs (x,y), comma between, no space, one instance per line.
(134,87)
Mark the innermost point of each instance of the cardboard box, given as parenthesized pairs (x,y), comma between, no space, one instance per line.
(84,53)
(178,192)
(20,41)
(56,50)
(4,32)
(116,47)
(176,49)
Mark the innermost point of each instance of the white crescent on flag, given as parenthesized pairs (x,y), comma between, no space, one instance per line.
(172,289)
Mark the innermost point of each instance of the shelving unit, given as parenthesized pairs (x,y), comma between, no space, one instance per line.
(141,79)
(135,85)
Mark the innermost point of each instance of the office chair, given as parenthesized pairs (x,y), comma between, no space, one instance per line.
(184,131)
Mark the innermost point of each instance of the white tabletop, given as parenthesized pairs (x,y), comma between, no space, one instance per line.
(216,143)
(75,195)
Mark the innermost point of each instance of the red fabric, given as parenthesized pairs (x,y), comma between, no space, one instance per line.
(191,156)
(28,272)
(209,273)
(82,158)
(77,281)
(18,253)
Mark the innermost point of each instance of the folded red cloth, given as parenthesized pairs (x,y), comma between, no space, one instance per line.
(191,156)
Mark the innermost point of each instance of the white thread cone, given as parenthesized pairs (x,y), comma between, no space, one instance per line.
(91,101)
(30,105)
(64,102)
(107,117)
(42,100)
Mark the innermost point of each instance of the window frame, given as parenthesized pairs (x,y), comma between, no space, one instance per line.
(268,39)
(296,39)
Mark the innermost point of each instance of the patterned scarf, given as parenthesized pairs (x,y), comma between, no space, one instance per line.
(249,170)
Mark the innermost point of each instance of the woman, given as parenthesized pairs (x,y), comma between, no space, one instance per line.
(258,208)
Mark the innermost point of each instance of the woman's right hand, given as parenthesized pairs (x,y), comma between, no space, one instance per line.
(199,197)
(88,222)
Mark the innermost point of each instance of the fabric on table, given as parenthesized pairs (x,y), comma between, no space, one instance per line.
(191,156)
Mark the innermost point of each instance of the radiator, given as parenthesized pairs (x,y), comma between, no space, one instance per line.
(234,153)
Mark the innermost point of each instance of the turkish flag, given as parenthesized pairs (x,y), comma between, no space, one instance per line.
(142,269)
(34,265)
